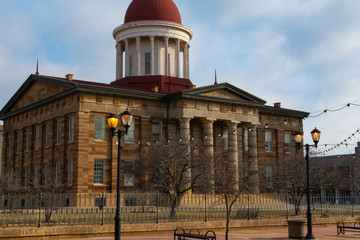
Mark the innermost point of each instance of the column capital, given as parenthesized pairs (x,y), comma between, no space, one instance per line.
(184,119)
(207,120)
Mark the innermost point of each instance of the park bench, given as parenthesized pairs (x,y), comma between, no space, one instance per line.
(180,234)
(341,228)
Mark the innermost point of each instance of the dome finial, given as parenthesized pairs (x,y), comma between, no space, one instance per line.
(37,67)
(215,83)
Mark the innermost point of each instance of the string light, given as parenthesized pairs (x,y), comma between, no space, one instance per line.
(348,105)
(336,146)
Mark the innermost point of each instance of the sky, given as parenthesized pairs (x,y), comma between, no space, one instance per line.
(302,53)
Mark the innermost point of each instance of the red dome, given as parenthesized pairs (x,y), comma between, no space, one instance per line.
(163,10)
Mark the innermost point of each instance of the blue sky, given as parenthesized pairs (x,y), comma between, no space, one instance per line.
(302,53)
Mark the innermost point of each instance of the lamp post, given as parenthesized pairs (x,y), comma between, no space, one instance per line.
(315,134)
(113,120)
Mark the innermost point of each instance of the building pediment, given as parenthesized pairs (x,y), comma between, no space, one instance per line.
(222,93)
(35,90)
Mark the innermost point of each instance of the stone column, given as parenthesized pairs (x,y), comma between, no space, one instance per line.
(166,55)
(240,143)
(138,57)
(178,58)
(126,57)
(188,62)
(233,152)
(152,64)
(253,161)
(185,58)
(185,139)
(209,148)
(119,61)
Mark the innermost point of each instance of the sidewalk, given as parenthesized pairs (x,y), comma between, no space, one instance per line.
(320,232)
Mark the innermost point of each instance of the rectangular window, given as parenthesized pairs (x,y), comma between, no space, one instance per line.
(10,143)
(27,143)
(169,66)
(130,136)
(17,174)
(129,176)
(18,141)
(71,129)
(269,176)
(288,146)
(58,132)
(99,170)
(147,63)
(99,128)
(130,65)
(57,172)
(268,141)
(1,136)
(70,172)
(36,172)
(225,135)
(46,173)
(37,137)
(47,135)
(246,139)
(26,176)
(156,130)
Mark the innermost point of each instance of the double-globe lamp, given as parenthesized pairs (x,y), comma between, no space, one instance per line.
(126,119)
(315,134)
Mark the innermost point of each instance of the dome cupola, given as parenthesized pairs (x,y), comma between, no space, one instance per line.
(152,48)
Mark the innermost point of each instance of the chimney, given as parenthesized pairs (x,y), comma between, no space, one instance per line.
(69,77)
(277,104)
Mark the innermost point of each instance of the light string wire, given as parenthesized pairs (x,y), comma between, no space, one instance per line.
(333,147)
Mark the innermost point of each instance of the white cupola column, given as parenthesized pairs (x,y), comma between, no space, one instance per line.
(138,57)
(152,64)
(166,55)
(119,61)
(178,58)
(188,62)
(126,57)
(185,59)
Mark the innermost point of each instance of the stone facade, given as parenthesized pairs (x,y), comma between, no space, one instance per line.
(217,113)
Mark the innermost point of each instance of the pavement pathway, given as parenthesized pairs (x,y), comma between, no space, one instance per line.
(320,232)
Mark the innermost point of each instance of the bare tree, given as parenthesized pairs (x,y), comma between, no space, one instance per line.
(9,185)
(173,168)
(50,186)
(229,185)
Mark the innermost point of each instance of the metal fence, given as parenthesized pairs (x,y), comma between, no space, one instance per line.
(85,209)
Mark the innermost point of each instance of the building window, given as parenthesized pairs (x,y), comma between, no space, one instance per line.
(10,143)
(99,128)
(130,65)
(130,136)
(57,172)
(1,136)
(27,139)
(37,137)
(70,171)
(26,176)
(18,142)
(169,66)
(17,174)
(58,132)
(225,135)
(99,169)
(147,63)
(268,141)
(36,172)
(288,146)
(246,139)
(269,176)
(156,130)
(71,129)
(46,173)
(47,135)
(129,176)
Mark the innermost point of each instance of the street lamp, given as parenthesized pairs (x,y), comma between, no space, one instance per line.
(315,134)
(126,119)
